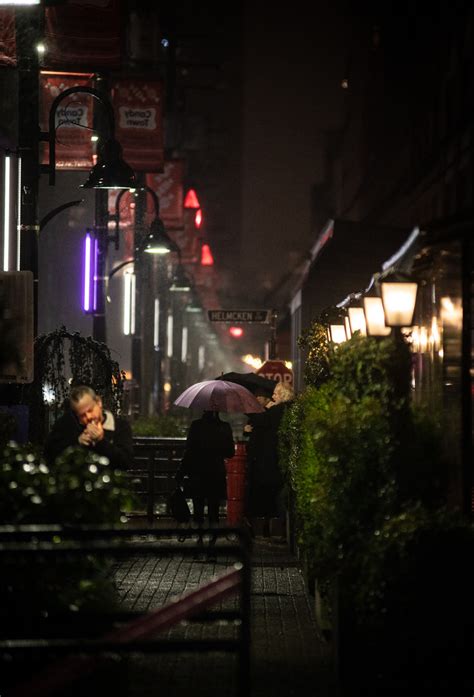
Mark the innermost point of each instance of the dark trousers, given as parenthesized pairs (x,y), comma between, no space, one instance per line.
(212,509)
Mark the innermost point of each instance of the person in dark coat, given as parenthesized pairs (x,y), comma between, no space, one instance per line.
(265,479)
(258,499)
(87,424)
(208,442)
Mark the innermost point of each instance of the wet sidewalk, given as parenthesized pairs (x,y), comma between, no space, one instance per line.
(288,656)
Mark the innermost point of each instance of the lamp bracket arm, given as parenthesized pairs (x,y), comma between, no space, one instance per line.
(45,220)
(120,266)
(51,135)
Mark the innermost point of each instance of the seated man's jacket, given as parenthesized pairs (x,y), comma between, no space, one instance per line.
(117,444)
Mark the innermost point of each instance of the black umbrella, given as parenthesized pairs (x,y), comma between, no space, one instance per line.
(253,382)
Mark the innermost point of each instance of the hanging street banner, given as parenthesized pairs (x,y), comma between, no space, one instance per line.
(138,107)
(7,37)
(236,316)
(83,34)
(74,120)
(169,188)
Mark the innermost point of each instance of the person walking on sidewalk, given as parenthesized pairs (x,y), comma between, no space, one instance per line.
(208,442)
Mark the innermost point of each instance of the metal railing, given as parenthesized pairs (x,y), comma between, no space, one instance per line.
(155,463)
(74,657)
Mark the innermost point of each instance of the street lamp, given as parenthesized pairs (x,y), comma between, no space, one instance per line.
(157,240)
(373,310)
(180,282)
(356,317)
(111,171)
(334,318)
(398,291)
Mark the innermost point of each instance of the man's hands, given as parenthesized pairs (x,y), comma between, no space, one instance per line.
(92,434)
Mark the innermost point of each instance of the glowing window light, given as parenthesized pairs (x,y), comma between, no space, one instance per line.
(357,320)
(201,358)
(423,341)
(6,214)
(347,327)
(375,317)
(169,336)
(253,361)
(89,296)
(415,338)
(451,311)
(435,336)
(184,344)
(156,324)
(49,396)
(129,279)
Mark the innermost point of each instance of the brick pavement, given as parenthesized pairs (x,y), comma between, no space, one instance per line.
(288,656)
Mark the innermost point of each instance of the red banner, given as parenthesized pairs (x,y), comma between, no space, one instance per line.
(74,118)
(7,38)
(83,34)
(169,188)
(139,128)
(126,219)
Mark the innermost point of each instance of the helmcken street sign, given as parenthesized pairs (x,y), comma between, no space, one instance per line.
(262,316)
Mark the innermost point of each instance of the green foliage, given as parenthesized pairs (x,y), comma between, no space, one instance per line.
(340,470)
(356,455)
(161,425)
(315,343)
(396,553)
(81,488)
(367,366)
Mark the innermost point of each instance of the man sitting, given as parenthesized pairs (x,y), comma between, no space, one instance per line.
(88,425)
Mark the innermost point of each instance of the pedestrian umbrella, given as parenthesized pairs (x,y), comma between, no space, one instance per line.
(252,381)
(219,395)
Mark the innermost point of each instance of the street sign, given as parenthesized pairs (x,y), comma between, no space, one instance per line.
(257,316)
(276,370)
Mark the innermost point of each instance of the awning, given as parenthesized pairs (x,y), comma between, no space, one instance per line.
(343,259)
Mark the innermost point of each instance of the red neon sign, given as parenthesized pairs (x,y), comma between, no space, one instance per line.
(206,256)
(191,200)
(198,219)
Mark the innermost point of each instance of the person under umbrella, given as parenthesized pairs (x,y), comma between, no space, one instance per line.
(208,443)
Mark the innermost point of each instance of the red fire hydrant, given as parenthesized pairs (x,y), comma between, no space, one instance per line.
(236,467)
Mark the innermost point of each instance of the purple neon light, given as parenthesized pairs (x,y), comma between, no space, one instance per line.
(89,296)
(95,260)
(86,274)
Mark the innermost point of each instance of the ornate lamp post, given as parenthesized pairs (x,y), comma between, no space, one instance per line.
(110,172)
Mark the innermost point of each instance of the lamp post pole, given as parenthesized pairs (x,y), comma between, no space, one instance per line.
(27,36)
(99,326)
